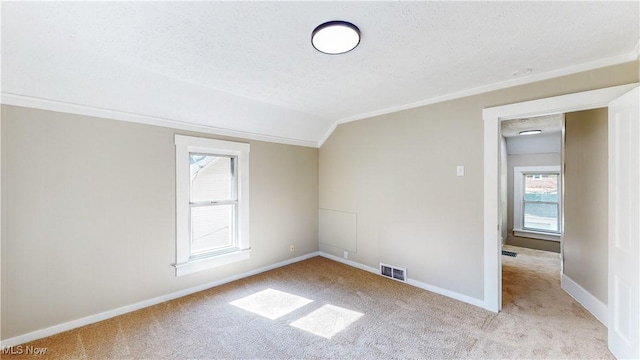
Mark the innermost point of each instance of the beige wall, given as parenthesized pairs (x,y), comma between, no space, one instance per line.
(397,172)
(88,205)
(586,201)
(88,209)
(548,159)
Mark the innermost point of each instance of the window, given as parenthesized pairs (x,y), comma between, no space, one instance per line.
(212,203)
(540,206)
(537,201)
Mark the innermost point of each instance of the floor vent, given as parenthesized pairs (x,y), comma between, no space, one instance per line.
(509,253)
(393,272)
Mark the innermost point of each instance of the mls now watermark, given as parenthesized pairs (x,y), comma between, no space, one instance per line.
(23,350)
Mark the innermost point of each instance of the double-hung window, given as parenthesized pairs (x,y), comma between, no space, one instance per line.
(537,201)
(212,203)
(540,203)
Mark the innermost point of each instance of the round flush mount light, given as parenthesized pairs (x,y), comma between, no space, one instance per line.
(335,37)
(530,132)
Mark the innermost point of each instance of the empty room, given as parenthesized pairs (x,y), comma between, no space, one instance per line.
(319,180)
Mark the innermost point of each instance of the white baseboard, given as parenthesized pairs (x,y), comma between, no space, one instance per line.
(349,262)
(590,302)
(56,329)
(418,284)
(448,293)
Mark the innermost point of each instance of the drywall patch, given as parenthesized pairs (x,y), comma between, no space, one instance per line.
(338,229)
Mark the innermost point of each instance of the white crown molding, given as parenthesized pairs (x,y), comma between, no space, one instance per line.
(327,134)
(66,107)
(60,106)
(614,60)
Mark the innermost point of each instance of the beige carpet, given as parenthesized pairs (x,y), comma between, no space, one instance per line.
(322,309)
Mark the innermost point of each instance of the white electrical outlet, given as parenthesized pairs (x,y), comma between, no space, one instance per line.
(346,254)
(460,170)
(292,248)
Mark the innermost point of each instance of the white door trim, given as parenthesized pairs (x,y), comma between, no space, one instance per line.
(624,231)
(492,117)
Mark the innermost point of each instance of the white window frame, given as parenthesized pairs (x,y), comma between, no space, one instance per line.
(518,202)
(185,145)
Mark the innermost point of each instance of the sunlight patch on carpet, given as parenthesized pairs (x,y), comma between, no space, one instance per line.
(271,303)
(327,321)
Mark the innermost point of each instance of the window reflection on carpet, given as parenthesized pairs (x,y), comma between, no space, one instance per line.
(327,321)
(271,303)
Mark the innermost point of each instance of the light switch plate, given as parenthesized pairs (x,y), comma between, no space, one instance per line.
(460,170)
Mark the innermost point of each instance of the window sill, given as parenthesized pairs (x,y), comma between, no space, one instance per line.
(537,235)
(211,262)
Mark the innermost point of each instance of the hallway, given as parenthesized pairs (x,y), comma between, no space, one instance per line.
(531,289)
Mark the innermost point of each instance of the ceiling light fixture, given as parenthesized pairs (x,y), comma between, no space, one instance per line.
(335,37)
(530,132)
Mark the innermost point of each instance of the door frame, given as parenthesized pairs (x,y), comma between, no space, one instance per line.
(492,212)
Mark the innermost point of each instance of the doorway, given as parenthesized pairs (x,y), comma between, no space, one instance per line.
(623,298)
(531,182)
(531,191)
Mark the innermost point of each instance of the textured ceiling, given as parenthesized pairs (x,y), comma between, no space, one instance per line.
(249,67)
(547,124)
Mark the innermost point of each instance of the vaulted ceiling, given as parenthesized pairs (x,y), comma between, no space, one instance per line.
(248,68)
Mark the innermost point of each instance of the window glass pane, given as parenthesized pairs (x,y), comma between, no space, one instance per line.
(541,216)
(541,187)
(211,177)
(211,228)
